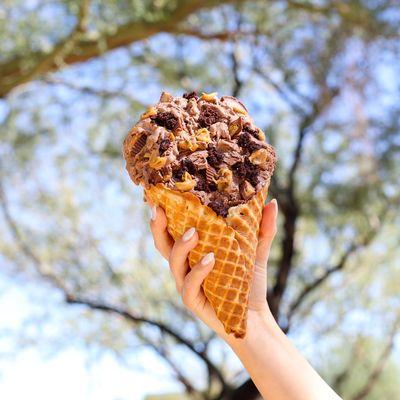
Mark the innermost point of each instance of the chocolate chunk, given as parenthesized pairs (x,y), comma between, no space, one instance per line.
(199,159)
(188,165)
(239,170)
(139,144)
(202,183)
(190,95)
(209,115)
(219,206)
(246,142)
(155,177)
(210,175)
(214,156)
(177,174)
(166,119)
(164,145)
(252,172)
(249,129)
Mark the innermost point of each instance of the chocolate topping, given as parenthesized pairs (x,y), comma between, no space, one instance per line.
(166,119)
(253,132)
(190,95)
(213,152)
(209,115)
(214,156)
(164,144)
(220,205)
(139,144)
(247,142)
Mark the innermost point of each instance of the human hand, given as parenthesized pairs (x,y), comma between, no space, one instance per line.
(188,281)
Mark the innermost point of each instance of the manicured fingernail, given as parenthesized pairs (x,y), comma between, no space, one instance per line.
(207,259)
(153,213)
(188,234)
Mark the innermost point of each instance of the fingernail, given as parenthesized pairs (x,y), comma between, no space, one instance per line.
(207,259)
(153,213)
(188,234)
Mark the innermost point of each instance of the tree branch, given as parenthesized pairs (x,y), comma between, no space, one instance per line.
(162,352)
(137,319)
(376,372)
(284,95)
(46,62)
(25,249)
(51,80)
(84,48)
(354,247)
(72,299)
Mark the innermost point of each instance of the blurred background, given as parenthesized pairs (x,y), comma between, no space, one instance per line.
(88,309)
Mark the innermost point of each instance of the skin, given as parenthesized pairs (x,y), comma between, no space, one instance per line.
(277,368)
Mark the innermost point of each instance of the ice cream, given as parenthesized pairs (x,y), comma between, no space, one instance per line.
(202,160)
(204,145)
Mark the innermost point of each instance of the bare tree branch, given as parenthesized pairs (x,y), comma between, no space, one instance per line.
(290,207)
(137,319)
(93,91)
(79,48)
(25,249)
(162,352)
(284,95)
(341,264)
(376,372)
(237,82)
(73,299)
(48,61)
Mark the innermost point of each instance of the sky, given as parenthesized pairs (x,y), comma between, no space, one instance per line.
(66,375)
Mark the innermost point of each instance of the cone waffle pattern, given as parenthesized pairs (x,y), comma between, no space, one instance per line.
(232,239)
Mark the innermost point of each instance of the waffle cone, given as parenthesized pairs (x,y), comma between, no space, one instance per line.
(232,239)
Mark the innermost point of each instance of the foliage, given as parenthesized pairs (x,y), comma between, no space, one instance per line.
(318,76)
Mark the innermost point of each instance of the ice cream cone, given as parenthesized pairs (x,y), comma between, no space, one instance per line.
(233,240)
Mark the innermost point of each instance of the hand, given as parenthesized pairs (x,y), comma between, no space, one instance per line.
(188,281)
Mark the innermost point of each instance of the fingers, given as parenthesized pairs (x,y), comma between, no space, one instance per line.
(179,254)
(158,225)
(192,294)
(267,233)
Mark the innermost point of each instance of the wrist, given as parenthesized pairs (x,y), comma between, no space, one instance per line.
(259,323)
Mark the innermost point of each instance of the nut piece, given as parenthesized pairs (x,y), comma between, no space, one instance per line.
(149,113)
(239,109)
(261,135)
(236,127)
(225,179)
(188,145)
(259,157)
(156,162)
(203,136)
(165,97)
(210,97)
(247,190)
(188,183)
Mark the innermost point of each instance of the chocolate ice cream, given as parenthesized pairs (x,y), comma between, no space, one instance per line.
(205,145)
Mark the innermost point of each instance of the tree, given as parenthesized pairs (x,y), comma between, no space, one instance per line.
(317,77)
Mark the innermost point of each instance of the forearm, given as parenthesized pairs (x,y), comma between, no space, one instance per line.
(279,371)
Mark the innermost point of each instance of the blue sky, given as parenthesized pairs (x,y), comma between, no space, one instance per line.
(69,373)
